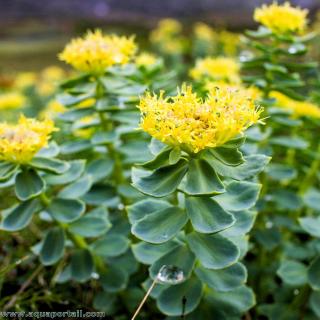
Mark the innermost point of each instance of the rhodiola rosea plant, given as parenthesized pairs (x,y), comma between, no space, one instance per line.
(199,197)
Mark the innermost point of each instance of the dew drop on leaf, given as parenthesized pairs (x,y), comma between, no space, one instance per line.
(170,274)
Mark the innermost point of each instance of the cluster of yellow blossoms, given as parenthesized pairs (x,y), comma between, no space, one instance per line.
(19,143)
(145,59)
(220,68)
(95,52)
(11,100)
(282,18)
(167,36)
(298,108)
(194,123)
(228,41)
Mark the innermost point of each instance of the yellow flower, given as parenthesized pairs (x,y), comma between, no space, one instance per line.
(194,123)
(252,92)
(298,108)
(204,32)
(52,73)
(230,42)
(282,18)
(25,79)
(145,59)
(166,28)
(12,100)
(52,110)
(95,52)
(84,129)
(220,68)
(19,143)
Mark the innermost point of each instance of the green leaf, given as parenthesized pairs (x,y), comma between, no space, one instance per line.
(66,210)
(207,216)
(286,199)
(201,179)
(139,210)
(51,151)
(160,226)
(240,195)
(101,168)
(293,273)
(90,226)
(71,147)
(7,169)
(170,300)
(174,155)
(275,68)
(82,265)
(70,100)
(281,172)
(75,114)
(224,279)
(161,159)
(228,156)
(244,223)
(110,245)
(28,184)
(233,303)
(180,257)
(104,137)
(53,246)
(312,199)
(213,251)
(51,165)
(163,181)
(20,216)
(315,302)
(105,302)
(253,165)
(77,189)
(311,225)
(314,274)
(73,173)
(113,279)
(148,253)
(290,142)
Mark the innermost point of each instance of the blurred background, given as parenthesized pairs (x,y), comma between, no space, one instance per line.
(33,32)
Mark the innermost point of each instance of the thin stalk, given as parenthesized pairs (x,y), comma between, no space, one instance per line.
(144,299)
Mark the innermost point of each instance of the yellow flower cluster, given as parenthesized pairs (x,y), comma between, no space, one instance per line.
(298,108)
(167,36)
(11,100)
(203,32)
(220,68)
(194,123)
(95,52)
(282,18)
(19,143)
(145,59)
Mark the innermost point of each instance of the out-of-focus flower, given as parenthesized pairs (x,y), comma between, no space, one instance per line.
(145,59)
(220,68)
(95,52)
(298,108)
(52,110)
(84,129)
(230,42)
(12,100)
(167,37)
(282,18)
(20,142)
(25,79)
(194,123)
(204,32)
(53,73)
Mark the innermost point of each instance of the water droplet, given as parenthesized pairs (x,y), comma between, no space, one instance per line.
(296,292)
(95,275)
(269,224)
(170,274)
(121,206)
